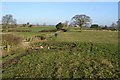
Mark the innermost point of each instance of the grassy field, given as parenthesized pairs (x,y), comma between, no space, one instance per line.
(34,29)
(73,35)
(72,54)
(86,36)
(64,61)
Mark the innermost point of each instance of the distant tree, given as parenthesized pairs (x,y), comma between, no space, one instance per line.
(95,26)
(59,26)
(81,20)
(105,26)
(28,23)
(8,20)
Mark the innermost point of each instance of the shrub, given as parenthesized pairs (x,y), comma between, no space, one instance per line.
(59,26)
(95,26)
(29,25)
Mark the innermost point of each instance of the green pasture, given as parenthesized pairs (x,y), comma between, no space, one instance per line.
(72,54)
(73,35)
(34,29)
(89,36)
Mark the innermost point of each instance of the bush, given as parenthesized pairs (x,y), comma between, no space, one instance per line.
(59,26)
(29,25)
(95,26)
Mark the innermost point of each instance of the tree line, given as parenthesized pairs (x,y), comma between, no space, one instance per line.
(76,21)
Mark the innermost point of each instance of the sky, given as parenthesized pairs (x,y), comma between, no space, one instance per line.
(59,0)
(51,13)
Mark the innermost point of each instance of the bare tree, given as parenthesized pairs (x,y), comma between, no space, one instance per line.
(8,20)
